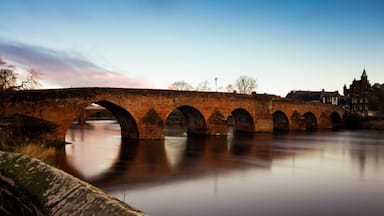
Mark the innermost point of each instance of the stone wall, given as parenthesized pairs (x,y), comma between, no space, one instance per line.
(13,202)
(31,187)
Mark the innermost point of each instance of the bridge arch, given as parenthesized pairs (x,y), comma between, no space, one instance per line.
(188,117)
(242,120)
(280,121)
(124,118)
(336,120)
(128,126)
(310,121)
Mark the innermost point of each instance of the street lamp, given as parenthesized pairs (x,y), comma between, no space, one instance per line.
(216,83)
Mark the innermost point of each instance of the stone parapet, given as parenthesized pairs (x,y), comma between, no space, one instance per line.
(31,187)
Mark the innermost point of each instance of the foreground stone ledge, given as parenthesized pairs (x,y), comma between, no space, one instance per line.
(31,187)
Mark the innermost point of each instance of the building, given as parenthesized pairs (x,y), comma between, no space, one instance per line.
(379,93)
(316,96)
(363,99)
(358,86)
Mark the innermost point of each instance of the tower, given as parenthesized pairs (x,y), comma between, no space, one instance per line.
(345,90)
(364,80)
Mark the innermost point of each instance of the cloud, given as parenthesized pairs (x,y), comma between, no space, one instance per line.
(66,69)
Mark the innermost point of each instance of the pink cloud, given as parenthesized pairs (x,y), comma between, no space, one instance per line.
(62,69)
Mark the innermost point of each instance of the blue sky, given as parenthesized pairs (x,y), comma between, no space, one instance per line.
(284,44)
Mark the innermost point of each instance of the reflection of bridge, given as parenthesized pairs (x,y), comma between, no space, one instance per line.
(142,113)
(170,160)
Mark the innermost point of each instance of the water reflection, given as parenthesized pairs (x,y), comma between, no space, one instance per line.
(89,153)
(290,173)
(175,150)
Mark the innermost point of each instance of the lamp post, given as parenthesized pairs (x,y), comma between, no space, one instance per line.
(216,83)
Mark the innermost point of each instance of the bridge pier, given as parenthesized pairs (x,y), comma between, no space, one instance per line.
(297,122)
(147,131)
(217,124)
(325,122)
(264,125)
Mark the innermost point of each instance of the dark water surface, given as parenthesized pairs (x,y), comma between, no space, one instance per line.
(296,173)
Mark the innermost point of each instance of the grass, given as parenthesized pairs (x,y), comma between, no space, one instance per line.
(41,152)
(37,151)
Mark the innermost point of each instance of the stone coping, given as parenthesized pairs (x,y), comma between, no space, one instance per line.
(34,186)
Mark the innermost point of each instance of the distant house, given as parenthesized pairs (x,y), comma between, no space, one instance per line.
(363,99)
(379,93)
(318,96)
(358,86)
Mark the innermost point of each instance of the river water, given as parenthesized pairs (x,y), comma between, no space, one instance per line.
(293,173)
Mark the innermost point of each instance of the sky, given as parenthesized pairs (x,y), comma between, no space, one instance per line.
(284,44)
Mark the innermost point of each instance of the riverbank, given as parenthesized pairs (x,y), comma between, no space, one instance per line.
(373,124)
(31,187)
(358,122)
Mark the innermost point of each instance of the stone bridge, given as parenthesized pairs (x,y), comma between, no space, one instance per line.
(143,113)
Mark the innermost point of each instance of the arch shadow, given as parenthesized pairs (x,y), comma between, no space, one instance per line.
(310,121)
(187,120)
(242,121)
(337,121)
(280,121)
(127,123)
(128,126)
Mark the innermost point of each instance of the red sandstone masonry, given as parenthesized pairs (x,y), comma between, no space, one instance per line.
(62,106)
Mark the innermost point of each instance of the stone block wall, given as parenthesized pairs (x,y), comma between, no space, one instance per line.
(13,202)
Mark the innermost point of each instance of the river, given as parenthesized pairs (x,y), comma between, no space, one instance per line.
(292,173)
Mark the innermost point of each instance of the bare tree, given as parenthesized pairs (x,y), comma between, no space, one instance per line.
(246,85)
(10,80)
(7,76)
(203,86)
(181,85)
(229,88)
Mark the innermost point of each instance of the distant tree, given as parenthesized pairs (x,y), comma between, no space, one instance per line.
(229,88)
(10,80)
(246,85)
(203,86)
(181,85)
(220,89)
